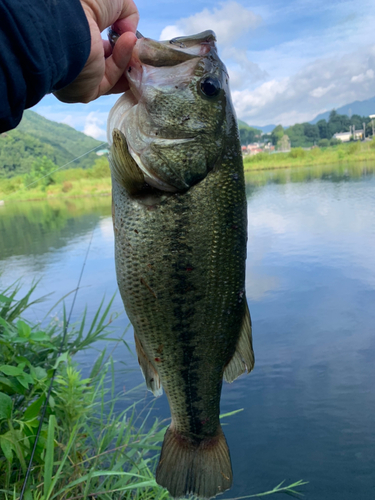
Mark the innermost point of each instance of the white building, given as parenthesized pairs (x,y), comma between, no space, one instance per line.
(346,136)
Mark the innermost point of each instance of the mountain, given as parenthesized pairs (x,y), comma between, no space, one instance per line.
(36,137)
(244,125)
(264,128)
(362,108)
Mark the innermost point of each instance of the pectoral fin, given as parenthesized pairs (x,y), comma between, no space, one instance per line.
(243,359)
(124,168)
(150,374)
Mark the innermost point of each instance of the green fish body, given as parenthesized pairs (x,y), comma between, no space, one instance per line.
(179,214)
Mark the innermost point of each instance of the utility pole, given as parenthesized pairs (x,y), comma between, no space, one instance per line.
(364,130)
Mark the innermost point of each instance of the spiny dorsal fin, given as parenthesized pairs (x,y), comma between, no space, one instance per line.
(150,374)
(243,359)
(123,166)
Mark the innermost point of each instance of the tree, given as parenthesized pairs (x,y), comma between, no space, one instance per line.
(277,134)
(296,135)
(311,133)
(323,129)
(247,136)
(41,173)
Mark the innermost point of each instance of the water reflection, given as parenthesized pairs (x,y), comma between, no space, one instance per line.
(309,405)
(35,227)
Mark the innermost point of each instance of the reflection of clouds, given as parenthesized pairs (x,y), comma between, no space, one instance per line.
(266,219)
(258,284)
(106,229)
(327,222)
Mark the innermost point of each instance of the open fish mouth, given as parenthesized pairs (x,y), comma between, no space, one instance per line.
(155,70)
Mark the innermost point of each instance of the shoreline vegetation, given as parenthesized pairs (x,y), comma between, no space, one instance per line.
(42,183)
(87,448)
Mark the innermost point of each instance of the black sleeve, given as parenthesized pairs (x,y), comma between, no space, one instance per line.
(44,45)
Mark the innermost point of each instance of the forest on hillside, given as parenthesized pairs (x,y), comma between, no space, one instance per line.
(36,138)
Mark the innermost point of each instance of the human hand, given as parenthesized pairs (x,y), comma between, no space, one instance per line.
(103,72)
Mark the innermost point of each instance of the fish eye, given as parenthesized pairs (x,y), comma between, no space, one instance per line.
(210,86)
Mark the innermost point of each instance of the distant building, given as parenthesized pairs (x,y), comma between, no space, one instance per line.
(252,149)
(346,136)
(284,144)
(269,147)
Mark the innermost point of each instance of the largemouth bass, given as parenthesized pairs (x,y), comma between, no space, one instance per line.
(179,215)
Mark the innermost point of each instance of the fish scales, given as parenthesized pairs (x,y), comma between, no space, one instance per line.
(183,290)
(180,263)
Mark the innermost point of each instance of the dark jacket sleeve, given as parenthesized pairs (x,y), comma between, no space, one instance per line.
(44,45)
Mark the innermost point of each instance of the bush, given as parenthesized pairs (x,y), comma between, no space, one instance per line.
(40,173)
(67,186)
(335,142)
(323,143)
(100,170)
(354,147)
(297,153)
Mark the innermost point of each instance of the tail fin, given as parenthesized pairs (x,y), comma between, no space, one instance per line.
(199,468)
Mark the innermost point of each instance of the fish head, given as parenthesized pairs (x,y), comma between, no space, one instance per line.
(175,115)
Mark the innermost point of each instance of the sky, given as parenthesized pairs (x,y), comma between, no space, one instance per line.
(288,60)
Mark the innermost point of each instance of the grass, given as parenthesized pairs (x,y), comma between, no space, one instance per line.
(69,183)
(87,449)
(96,181)
(353,152)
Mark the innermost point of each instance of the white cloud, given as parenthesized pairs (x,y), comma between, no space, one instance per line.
(323,84)
(92,126)
(172,31)
(69,120)
(230,21)
(320,91)
(368,75)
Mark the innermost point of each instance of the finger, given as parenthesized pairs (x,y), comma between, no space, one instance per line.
(115,65)
(107,48)
(128,19)
(120,87)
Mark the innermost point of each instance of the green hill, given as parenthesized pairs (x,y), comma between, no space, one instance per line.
(36,137)
(247,134)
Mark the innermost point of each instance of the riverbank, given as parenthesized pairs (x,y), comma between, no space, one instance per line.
(352,152)
(96,181)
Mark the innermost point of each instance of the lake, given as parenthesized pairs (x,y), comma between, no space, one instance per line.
(309,405)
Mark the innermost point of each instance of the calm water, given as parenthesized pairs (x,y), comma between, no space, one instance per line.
(309,405)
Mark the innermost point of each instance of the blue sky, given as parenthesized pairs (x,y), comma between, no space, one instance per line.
(288,60)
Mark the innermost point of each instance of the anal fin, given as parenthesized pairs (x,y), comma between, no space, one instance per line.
(243,359)
(150,374)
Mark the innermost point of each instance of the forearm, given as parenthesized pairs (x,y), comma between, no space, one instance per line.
(44,46)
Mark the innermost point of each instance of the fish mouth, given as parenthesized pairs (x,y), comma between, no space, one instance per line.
(178,57)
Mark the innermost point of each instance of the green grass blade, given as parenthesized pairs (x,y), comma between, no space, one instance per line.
(48,464)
